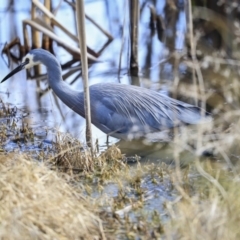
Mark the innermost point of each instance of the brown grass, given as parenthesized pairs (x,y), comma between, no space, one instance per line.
(39,203)
(207,214)
(36,203)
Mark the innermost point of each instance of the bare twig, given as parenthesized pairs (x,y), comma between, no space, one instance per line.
(211,179)
(134,20)
(53,19)
(35,44)
(83,47)
(196,68)
(74,50)
(122,44)
(46,43)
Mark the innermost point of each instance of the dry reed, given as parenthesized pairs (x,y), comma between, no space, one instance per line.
(36,203)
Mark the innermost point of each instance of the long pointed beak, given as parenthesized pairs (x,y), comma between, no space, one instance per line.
(17,69)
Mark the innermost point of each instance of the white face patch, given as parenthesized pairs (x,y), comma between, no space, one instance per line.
(31,62)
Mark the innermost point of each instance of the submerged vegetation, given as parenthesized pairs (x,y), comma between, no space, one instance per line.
(185,188)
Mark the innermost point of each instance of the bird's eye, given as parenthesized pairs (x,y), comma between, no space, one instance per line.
(27,60)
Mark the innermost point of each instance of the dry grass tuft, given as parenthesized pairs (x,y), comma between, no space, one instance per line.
(207,214)
(38,204)
(70,155)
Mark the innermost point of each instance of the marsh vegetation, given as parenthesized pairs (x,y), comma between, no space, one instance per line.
(51,186)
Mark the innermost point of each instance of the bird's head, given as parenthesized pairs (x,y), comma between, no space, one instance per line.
(28,61)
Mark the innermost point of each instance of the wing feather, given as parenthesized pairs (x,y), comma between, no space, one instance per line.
(120,107)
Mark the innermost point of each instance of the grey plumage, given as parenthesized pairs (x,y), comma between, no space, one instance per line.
(121,111)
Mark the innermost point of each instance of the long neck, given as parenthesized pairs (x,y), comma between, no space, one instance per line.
(73,99)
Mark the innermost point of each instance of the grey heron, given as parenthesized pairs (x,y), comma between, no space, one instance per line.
(122,111)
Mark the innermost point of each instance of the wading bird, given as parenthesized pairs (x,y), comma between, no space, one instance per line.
(121,111)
